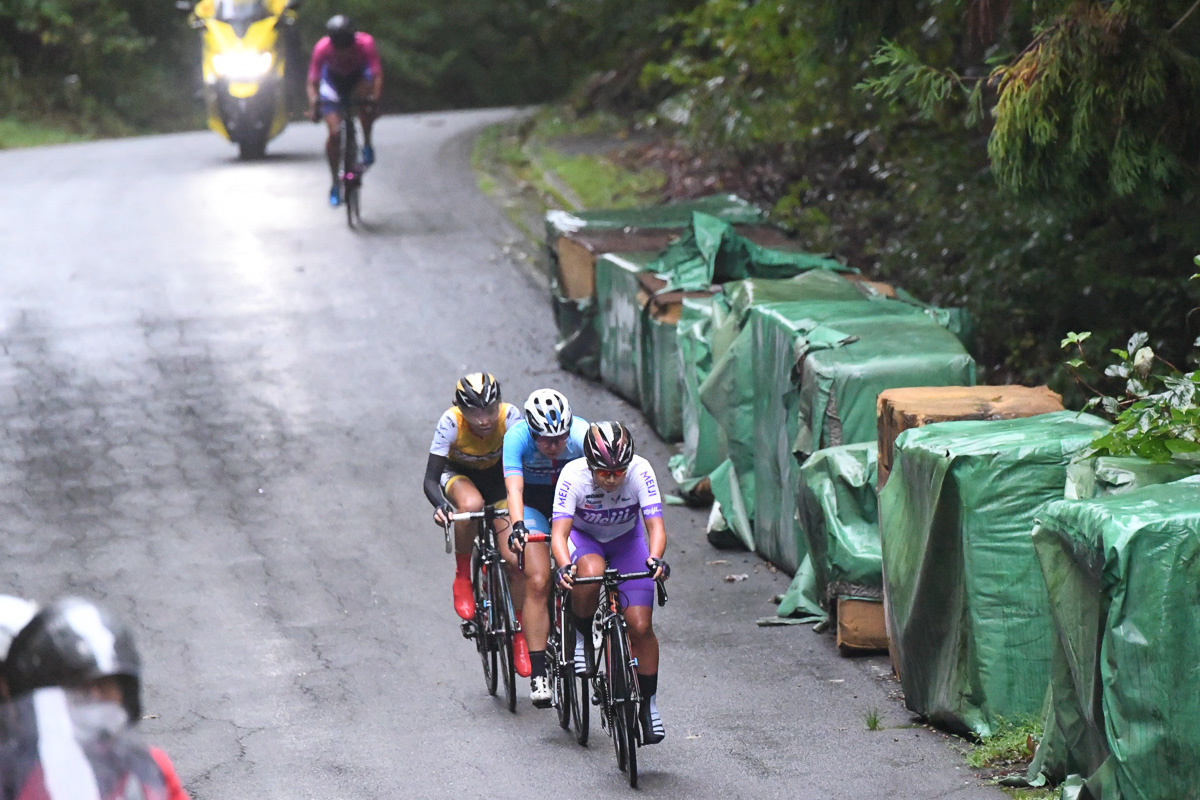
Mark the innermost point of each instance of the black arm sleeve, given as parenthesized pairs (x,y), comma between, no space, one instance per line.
(433,480)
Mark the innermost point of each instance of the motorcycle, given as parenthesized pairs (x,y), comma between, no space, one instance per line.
(246,46)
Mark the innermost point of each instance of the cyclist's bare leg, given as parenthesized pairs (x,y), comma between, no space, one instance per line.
(463,495)
(367,114)
(536,579)
(333,120)
(585,598)
(643,642)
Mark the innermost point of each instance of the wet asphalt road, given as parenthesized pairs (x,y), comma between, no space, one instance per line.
(216,404)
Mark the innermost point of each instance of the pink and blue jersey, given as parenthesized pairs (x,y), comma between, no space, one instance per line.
(602,515)
(329,62)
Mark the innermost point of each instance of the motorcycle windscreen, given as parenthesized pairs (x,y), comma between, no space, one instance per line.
(60,745)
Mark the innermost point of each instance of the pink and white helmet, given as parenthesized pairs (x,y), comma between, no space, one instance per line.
(608,445)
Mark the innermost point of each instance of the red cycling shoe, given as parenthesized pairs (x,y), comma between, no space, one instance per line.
(521,656)
(464,599)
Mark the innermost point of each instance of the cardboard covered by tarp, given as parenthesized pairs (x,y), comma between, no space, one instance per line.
(1099,476)
(966,604)
(809,371)
(575,239)
(710,251)
(704,446)
(706,329)
(839,516)
(817,371)
(1122,573)
(620,321)
(898,410)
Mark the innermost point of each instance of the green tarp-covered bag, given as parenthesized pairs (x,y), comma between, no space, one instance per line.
(1123,576)
(968,614)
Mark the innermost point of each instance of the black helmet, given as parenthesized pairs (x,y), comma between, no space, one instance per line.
(72,642)
(608,445)
(341,30)
(15,614)
(477,390)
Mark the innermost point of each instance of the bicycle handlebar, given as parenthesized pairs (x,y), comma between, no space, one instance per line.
(534,537)
(621,577)
(489,513)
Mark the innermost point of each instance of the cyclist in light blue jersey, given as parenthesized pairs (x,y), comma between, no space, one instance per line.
(535,451)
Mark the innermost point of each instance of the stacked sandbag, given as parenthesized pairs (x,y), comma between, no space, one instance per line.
(967,608)
(1122,573)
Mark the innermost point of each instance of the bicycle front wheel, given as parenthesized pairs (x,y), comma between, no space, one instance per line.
(484,640)
(556,667)
(504,627)
(622,697)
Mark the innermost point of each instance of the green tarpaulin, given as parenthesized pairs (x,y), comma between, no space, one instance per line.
(704,445)
(968,614)
(661,364)
(1123,573)
(577,347)
(619,322)
(818,368)
(1098,476)
(710,251)
(839,517)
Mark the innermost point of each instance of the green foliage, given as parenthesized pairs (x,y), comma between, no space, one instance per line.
(1012,743)
(1156,415)
(872,719)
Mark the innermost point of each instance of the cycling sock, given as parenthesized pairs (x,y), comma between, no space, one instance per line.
(462,565)
(648,686)
(537,663)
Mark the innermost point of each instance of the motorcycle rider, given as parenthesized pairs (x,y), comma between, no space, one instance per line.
(345,61)
(78,646)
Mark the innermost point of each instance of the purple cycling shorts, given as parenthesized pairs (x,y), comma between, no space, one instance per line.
(627,553)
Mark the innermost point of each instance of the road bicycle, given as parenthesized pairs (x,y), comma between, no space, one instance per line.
(614,674)
(495,623)
(568,691)
(350,166)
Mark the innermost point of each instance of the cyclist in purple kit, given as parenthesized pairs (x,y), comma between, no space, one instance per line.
(606,506)
(345,62)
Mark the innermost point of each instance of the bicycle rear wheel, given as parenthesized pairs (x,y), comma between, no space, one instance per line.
(484,640)
(503,625)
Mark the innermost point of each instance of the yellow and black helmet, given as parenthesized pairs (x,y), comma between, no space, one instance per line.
(476,390)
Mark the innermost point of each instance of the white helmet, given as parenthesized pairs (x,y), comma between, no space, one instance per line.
(15,614)
(548,413)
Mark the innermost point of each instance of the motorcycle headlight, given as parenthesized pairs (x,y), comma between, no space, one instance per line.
(245,66)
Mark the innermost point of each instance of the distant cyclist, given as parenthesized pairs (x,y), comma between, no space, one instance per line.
(606,504)
(535,451)
(344,63)
(464,473)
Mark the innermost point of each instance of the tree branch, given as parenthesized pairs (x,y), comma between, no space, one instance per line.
(1186,14)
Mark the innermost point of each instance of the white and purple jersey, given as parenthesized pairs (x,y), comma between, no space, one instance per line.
(606,515)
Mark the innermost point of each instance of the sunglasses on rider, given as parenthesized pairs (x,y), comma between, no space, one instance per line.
(553,441)
(610,474)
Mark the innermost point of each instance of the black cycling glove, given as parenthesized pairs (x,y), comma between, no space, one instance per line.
(516,539)
(561,572)
(653,564)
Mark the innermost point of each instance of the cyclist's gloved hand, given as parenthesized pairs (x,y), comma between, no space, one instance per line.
(442,515)
(565,576)
(662,570)
(516,539)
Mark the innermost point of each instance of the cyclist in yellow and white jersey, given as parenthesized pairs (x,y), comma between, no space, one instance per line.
(464,473)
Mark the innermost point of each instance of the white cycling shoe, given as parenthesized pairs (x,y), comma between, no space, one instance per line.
(539,691)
